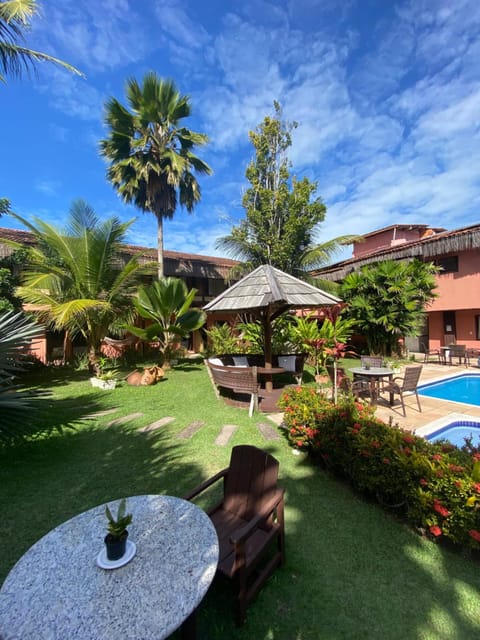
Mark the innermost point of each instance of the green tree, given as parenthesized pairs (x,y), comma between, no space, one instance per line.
(151,157)
(75,279)
(166,305)
(387,301)
(282,211)
(15,17)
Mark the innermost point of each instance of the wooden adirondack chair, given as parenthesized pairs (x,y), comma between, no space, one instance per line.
(248,520)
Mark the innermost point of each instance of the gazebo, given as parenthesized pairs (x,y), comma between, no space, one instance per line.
(266,293)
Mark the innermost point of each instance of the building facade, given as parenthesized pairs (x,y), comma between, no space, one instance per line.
(455,314)
(207,274)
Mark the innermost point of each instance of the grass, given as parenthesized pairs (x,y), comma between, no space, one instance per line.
(352,570)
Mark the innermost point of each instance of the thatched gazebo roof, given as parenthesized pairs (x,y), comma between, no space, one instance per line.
(268,292)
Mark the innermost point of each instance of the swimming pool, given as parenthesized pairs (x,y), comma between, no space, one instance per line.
(464,388)
(455,428)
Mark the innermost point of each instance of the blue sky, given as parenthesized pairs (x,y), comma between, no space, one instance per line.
(386,94)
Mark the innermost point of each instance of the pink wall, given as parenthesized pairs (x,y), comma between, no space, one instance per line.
(459,290)
(386,239)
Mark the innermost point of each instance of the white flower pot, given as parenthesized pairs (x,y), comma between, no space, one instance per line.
(103,384)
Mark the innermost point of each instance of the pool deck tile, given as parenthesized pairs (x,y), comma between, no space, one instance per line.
(432,409)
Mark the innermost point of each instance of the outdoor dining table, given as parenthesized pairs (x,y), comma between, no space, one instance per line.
(57,590)
(374,375)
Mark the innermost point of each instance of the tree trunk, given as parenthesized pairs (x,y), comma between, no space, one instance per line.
(160,246)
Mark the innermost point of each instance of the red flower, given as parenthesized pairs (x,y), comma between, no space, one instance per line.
(386,461)
(455,468)
(476,486)
(458,484)
(475,534)
(423,482)
(435,530)
(357,425)
(299,443)
(408,439)
(293,431)
(437,457)
(439,508)
(476,457)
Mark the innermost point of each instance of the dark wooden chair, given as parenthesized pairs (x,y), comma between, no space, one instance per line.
(458,351)
(359,388)
(371,361)
(436,353)
(249,522)
(404,386)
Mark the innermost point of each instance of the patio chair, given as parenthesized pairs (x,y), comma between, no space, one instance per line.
(405,386)
(371,361)
(430,352)
(448,339)
(359,388)
(459,351)
(248,520)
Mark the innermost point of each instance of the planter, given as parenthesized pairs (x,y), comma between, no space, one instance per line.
(116,547)
(103,384)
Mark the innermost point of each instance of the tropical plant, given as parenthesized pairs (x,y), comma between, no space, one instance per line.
(151,157)
(222,338)
(75,279)
(387,301)
(282,213)
(253,339)
(16,334)
(166,304)
(15,16)
(118,524)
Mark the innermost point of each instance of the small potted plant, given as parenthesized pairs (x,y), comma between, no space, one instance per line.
(116,538)
(106,377)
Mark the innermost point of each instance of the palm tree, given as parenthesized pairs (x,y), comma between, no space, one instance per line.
(15,18)
(166,305)
(75,277)
(151,156)
(16,334)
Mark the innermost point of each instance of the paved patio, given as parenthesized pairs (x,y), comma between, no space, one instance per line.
(432,409)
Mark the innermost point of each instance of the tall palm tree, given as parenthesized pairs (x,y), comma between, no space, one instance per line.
(151,156)
(15,16)
(75,277)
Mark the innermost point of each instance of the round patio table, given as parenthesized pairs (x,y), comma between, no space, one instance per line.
(374,375)
(57,590)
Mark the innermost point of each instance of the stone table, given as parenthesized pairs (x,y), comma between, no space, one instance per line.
(57,590)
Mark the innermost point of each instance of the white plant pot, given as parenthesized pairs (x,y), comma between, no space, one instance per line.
(103,384)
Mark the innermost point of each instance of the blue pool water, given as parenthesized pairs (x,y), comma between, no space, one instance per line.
(464,388)
(456,432)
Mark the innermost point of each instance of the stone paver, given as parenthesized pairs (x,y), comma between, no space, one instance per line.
(191,429)
(268,431)
(124,419)
(157,424)
(99,414)
(225,434)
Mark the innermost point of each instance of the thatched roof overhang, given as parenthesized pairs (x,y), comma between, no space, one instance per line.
(428,248)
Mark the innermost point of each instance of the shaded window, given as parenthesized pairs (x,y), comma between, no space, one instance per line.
(477,327)
(447,264)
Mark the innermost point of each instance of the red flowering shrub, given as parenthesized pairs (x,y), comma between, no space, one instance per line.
(438,485)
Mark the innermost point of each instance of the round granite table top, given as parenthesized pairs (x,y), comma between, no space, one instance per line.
(56,591)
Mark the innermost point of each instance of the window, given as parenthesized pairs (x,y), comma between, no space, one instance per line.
(447,264)
(477,327)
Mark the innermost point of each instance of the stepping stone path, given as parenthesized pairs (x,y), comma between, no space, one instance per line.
(225,434)
(192,428)
(156,425)
(99,414)
(123,419)
(268,431)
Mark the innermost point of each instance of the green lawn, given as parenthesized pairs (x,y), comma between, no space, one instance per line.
(352,570)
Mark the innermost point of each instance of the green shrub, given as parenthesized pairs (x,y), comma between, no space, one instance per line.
(437,485)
